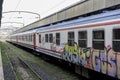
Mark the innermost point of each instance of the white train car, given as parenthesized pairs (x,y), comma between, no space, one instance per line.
(12,38)
(26,39)
(92,42)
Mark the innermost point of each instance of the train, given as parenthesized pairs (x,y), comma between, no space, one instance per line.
(92,42)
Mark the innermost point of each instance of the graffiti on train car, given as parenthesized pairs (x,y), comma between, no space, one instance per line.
(106,61)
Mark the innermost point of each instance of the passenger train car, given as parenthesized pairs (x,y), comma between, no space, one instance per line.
(92,42)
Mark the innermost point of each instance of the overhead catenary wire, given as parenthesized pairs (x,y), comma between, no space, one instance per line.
(60,3)
(16,7)
(18,4)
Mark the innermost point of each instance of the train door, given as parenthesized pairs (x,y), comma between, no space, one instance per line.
(34,40)
(17,39)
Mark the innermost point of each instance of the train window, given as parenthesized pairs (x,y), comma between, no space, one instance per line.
(82,39)
(27,38)
(31,38)
(39,38)
(23,38)
(116,40)
(70,38)
(46,37)
(98,39)
(57,38)
(50,38)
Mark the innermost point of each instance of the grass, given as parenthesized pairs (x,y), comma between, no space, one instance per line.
(12,51)
(4,57)
(52,70)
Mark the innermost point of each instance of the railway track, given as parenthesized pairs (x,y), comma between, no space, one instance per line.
(29,67)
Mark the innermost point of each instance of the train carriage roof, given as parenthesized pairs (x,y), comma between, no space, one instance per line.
(26,32)
(107,15)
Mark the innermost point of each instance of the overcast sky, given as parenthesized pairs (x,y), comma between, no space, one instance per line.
(42,7)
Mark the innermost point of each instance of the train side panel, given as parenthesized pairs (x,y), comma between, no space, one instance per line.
(91,42)
(96,53)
